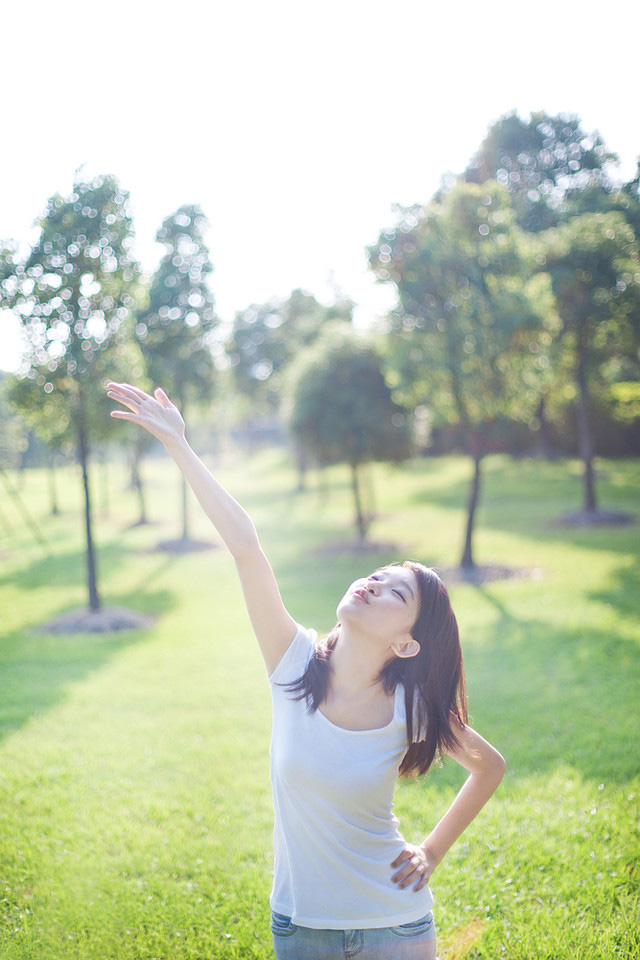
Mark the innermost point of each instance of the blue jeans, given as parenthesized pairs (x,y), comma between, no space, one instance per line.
(408,941)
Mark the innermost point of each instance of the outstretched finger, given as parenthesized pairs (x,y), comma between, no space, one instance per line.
(125,415)
(161,396)
(127,390)
(131,402)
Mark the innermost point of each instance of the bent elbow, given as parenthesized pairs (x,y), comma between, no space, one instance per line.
(500,766)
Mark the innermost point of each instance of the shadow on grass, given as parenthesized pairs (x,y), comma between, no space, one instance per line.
(37,668)
(555,694)
(64,569)
(68,569)
(528,497)
(624,593)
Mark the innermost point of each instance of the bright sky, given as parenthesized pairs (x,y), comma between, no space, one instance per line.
(296,124)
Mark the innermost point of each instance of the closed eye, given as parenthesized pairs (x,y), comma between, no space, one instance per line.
(378,578)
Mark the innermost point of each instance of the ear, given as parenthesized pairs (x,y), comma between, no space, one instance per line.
(405,649)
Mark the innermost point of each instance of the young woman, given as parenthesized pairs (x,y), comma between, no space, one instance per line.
(380,696)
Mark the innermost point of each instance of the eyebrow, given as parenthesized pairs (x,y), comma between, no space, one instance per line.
(403,583)
(408,586)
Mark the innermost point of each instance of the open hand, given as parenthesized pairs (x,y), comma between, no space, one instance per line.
(417,864)
(156,414)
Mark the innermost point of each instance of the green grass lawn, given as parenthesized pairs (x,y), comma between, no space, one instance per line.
(135,809)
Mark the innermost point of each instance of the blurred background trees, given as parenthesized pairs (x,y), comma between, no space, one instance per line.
(73,292)
(591,260)
(342,411)
(175,329)
(545,163)
(49,421)
(516,327)
(468,312)
(265,339)
(522,305)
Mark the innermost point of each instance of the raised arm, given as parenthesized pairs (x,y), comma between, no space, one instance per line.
(273,625)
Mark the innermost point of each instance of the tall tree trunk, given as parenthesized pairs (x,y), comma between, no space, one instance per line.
(360,518)
(136,482)
(53,490)
(104,477)
(83,456)
(302,465)
(372,510)
(584,433)
(467,555)
(185,502)
(323,484)
(545,443)
(185,511)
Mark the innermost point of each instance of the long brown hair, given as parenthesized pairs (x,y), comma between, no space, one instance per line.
(434,687)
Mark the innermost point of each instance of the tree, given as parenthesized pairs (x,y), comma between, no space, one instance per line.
(594,264)
(175,329)
(13,444)
(543,163)
(49,420)
(467,340)
(266,337)
(629,201)
(342,411)
(556,171)
(13,432)
(72,294)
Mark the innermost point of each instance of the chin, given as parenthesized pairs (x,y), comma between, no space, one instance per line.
(344,608)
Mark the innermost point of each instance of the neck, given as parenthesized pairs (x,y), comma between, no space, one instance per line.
(352,666)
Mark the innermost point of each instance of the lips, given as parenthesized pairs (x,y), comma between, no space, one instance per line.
(361,595)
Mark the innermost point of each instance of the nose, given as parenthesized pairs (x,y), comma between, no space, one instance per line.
(373,587)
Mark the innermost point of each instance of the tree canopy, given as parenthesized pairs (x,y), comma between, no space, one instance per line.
(543,162)
(266,337)
(175,330)
(469,337)
(594,264)
(342,411)
(74,293)
(176,326)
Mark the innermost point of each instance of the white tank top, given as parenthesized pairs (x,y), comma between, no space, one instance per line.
(335,832)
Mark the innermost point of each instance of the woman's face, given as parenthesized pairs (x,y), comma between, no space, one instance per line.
(386,603)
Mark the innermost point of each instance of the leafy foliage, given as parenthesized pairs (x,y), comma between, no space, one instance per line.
(74,294)
(469,338)
(342,410)
(543,163)
(594,264)
(13,439)
(266,337)
(71,293)
(555,172)
(175,329)
(467,331)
